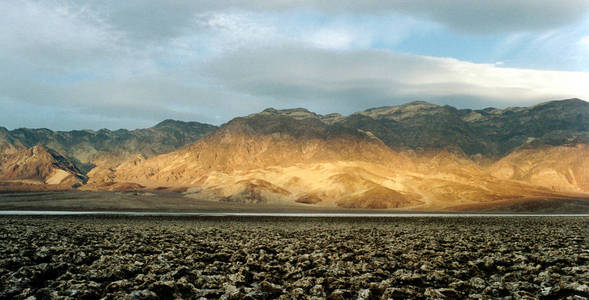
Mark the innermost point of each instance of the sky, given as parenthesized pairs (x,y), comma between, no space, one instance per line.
(130,64)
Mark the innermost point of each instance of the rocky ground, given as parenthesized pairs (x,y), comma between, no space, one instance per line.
(96,257)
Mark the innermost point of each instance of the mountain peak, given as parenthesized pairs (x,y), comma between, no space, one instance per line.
(399,112)
(168,122)
(419,103)
(295,113)
(565,102)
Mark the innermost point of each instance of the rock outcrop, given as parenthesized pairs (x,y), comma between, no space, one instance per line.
(39,166)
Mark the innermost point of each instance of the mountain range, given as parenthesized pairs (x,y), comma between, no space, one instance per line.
(413,156)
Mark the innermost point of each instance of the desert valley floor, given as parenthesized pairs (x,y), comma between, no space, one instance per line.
(171,201)
(101,257)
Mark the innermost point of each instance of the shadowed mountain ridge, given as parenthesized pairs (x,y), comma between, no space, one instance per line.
(88,148)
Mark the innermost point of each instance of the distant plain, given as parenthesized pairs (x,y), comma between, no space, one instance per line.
(171,201)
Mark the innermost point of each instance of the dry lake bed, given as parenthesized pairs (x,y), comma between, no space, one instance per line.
(155,257)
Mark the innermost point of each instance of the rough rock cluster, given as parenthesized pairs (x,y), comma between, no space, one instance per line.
(94,257)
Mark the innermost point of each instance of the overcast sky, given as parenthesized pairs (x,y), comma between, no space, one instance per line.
(130,64)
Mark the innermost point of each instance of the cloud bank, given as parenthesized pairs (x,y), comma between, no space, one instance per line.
(353,80)
(476,17)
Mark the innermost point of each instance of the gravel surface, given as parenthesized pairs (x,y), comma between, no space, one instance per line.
(93,257)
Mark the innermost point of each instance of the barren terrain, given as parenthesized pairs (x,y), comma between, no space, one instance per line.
(286,258)
(169,200)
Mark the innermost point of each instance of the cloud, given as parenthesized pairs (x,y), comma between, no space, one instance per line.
(141,101)
(584,42)
(156,19)
(503,16)
(355,80)
(54,32)
(331,38)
